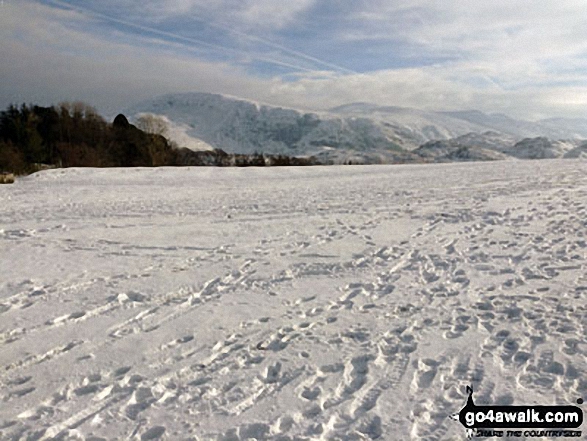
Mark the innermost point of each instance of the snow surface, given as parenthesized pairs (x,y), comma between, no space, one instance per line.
(311,303)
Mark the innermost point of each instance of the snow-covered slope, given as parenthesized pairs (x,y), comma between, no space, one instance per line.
(453,151)
(495,146)
(412,127)
(488,140)
(577,152)
(302,303)
(539,148)
(425,126)
(178,133)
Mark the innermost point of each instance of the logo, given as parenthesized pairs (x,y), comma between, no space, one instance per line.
(518,421)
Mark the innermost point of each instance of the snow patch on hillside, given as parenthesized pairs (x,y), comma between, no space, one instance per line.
(178,133)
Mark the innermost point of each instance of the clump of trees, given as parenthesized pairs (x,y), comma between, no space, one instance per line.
(75,135)
(219,158)
(153,124)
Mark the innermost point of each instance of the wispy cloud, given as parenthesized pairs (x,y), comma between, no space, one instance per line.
(251,14)
(281,56)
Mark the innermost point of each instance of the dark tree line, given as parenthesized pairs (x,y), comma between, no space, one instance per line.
(74,135)
(219,158)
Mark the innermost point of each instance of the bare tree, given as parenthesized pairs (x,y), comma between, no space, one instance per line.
(153,124)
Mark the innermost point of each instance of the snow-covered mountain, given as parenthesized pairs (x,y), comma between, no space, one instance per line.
(410,127)
(241,126)
(539,148)
(453,151)
(425,126)
(488,140)
(357,132)
(490,146)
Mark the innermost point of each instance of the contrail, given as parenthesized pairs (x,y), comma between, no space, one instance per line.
(278,46)
(196,41)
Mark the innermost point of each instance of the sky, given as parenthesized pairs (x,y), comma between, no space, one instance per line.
(523,58)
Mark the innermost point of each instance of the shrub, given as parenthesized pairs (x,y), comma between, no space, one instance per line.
(6,178)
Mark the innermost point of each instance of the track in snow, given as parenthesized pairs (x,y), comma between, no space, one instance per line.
(288,303)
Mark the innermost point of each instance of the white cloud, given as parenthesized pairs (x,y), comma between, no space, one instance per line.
(497,31)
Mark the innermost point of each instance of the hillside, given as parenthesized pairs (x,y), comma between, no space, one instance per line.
(453,151)
(539,148)
(241,126)
(577,152)
(429,125)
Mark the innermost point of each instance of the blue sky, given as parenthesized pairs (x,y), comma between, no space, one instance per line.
(525,58)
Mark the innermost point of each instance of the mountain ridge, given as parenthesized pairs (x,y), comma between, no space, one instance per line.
(363,131)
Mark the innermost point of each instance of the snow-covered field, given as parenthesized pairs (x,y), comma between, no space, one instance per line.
(326,303)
